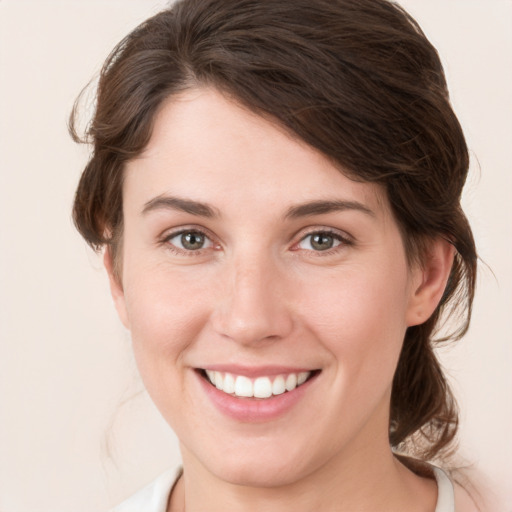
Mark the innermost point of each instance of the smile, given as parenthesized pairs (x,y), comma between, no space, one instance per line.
(260,387)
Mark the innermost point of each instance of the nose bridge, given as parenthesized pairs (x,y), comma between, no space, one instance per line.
(253,305)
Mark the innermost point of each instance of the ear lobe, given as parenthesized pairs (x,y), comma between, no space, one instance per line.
(430,281)
(116,288)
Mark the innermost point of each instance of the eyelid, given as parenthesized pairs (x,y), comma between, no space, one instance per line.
(345,238)
(169,234)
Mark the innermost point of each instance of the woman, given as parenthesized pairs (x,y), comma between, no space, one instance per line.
(277,186)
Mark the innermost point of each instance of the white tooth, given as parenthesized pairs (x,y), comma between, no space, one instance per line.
(303,377)
(291,382)
(211,376)
(229,384)
(278,386)
(243,386)
(218,380)
(262,387)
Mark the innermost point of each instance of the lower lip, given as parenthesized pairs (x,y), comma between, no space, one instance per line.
(254,410)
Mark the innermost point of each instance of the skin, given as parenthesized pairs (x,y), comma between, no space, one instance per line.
(259,293)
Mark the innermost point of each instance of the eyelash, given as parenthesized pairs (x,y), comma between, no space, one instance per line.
(343,239)
(166,240)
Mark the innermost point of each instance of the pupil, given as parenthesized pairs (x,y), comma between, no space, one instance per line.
(322,242)
(192,240)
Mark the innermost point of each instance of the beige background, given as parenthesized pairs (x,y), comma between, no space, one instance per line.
(71,439)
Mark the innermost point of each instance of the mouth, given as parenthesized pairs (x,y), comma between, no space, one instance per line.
(262,387)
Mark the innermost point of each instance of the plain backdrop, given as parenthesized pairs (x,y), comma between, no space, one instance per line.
(77,433)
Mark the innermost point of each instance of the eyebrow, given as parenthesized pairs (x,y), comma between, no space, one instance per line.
(180,204)
(205,210)
(322,207)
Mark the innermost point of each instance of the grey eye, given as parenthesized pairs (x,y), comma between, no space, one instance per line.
(321,241)
(190,241)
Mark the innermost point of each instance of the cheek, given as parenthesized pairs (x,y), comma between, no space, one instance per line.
(166,312)
(360,318)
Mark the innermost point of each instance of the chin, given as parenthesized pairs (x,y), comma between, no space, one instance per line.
(260,475)
(262,467)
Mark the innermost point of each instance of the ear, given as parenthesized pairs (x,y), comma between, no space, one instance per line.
(116,288)
(429,281)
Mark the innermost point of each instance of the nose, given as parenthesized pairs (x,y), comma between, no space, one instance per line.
(253,305)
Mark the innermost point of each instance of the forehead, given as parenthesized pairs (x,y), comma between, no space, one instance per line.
(209,148)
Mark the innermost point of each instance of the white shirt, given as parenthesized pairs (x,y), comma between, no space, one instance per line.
(155,496)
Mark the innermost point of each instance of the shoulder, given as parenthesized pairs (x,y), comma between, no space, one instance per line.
(473,491)
(463,500)
(153,497)
(455,495)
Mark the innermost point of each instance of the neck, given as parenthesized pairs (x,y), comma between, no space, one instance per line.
(368,478)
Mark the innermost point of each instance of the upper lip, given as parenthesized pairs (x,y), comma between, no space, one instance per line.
(256,371)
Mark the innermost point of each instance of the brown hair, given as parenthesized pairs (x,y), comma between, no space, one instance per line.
(356,79)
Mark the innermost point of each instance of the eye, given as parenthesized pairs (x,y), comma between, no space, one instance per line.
(321,241)
(189,240)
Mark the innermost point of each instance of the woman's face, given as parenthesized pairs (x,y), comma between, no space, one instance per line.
(248,256)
